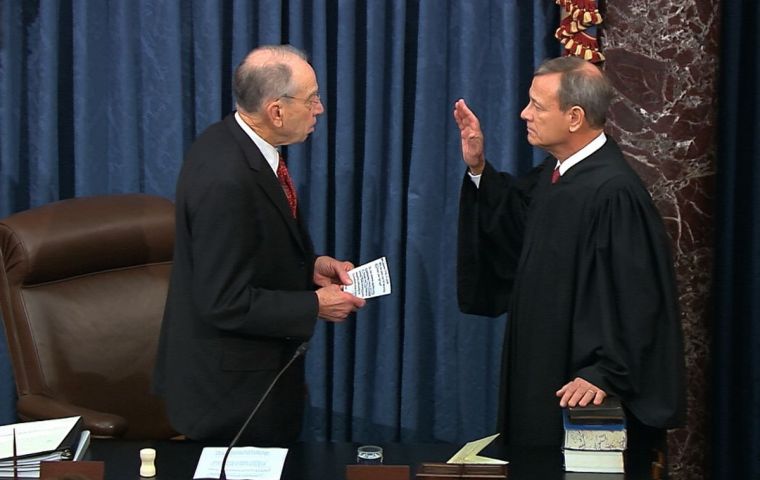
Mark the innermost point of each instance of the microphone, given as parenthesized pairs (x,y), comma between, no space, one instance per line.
(299,351)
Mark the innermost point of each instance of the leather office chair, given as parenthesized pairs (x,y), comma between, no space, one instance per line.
(83,285)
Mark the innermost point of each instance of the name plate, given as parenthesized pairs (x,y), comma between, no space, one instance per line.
(79,470)
(467,471)
(377,472)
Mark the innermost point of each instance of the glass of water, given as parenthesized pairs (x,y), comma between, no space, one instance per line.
(369,455)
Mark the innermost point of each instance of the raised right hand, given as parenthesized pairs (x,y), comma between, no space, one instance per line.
(472,137)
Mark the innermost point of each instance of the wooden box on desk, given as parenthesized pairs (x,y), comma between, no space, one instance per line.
(377,472)
(465,471)
(78,470)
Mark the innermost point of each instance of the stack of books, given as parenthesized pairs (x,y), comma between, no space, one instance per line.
(595,438)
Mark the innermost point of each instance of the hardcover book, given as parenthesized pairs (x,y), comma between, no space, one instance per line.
(594,461)
(610,411)
(594,436)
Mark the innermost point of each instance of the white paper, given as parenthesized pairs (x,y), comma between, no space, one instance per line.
(243,463)
(370,280)
(469,453)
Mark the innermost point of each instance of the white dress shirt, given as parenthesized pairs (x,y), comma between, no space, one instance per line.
(271,154)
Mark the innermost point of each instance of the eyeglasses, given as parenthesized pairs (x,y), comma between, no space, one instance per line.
(311,101)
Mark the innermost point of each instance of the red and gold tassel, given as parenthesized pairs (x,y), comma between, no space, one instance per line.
(579,16)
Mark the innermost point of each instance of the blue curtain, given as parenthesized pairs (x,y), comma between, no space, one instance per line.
(736,421)
(104,97)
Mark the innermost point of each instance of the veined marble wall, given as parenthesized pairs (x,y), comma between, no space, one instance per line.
(662,56)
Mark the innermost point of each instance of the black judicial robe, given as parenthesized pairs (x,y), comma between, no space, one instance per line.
(585,271)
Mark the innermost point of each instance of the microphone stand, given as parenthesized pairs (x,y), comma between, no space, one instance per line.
(299,351)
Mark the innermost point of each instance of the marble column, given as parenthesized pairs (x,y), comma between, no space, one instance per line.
(662,56)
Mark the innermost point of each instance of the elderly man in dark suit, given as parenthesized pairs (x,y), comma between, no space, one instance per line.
(246,286)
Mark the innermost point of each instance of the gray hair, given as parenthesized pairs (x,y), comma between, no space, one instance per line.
(581,86)
(264,74)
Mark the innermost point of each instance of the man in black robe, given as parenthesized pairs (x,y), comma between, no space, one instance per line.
(577,253)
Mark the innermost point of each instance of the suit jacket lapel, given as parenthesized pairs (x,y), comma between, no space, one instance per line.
(265,177)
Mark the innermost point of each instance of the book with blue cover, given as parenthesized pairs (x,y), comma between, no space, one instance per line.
(594,436)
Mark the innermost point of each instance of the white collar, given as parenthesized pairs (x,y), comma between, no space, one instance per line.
(581,154)
(271,154)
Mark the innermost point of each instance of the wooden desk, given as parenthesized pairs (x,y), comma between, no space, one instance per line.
(319,461)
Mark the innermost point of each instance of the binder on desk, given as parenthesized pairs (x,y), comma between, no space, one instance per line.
(33,442)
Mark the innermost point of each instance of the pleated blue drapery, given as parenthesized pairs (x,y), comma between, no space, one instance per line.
(104,97)
(735,394)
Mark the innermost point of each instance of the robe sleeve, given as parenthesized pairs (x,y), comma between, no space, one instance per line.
(491,228)
(627,335)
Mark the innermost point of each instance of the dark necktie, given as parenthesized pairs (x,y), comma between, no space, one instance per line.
(555,175)
(287,185)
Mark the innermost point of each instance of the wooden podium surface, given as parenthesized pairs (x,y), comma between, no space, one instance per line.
(320,461)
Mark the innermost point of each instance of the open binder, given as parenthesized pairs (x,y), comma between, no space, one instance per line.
(24,445)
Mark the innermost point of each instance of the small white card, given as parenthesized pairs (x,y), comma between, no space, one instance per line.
(469,453)
(243,463)
(370,280)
